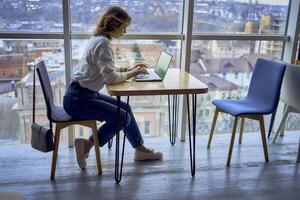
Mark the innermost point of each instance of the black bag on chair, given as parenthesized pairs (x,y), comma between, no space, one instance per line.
(41,135)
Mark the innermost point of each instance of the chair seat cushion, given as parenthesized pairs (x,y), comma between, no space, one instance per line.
(59,114)
(242,107)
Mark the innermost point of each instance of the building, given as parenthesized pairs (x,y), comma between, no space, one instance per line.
(13,67)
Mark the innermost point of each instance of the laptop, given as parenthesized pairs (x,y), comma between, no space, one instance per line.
(161,68)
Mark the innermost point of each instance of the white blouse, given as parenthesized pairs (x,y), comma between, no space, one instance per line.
(97,65)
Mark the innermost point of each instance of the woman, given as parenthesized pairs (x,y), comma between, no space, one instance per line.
(97,68)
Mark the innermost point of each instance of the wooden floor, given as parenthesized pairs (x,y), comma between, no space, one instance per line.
(27,171)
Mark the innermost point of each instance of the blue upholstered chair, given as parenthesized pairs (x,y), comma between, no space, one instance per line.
(262,99)
(58,115)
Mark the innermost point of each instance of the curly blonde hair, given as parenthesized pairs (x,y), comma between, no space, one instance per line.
(112,19)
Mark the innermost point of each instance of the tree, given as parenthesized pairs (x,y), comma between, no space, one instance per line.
(138,55)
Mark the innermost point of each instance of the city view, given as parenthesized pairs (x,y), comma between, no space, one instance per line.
(224,65)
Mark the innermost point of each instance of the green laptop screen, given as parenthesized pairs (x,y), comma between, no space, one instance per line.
(163,64)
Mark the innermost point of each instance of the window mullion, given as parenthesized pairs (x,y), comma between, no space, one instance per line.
(185,60)
(68,55)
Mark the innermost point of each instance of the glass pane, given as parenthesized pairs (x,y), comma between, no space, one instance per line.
(226,67)
(147,15)
(241,16)
(16,15)
(17,58)
(151,112)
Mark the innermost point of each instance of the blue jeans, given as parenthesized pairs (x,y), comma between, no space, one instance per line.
(84,104)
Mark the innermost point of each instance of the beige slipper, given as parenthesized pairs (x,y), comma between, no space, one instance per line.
(80,154)
(152,155)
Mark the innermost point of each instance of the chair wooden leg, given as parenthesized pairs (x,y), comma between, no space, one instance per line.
(282,124)
(213,127)
(232,140)
(97,149)
(55,150)
(241,130)
(263,137)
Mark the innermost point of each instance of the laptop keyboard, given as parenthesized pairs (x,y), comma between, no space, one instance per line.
(147,76)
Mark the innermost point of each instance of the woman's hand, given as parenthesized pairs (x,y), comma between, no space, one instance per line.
(128,69)
(141,70)
(139,65)
(136,71)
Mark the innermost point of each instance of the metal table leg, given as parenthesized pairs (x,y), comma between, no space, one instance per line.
(119,166)
(173,125)
(192,140)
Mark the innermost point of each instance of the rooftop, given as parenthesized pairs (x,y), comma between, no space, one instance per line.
(215,82)
(217,65)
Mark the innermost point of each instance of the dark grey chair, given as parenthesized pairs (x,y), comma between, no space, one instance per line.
(56,114)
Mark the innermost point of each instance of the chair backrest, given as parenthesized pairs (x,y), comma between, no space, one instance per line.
(266,82)
(46,86)
(290,92)
(54,113)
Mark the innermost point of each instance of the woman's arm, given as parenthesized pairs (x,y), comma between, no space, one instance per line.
(129,74)
(105,64)
(122,69)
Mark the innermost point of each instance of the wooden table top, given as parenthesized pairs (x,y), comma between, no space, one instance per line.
(177,81)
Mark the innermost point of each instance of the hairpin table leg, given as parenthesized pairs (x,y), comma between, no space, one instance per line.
(173,124)
(118,165)
(192,138)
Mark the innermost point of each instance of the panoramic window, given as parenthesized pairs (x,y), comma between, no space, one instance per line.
(224,65)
